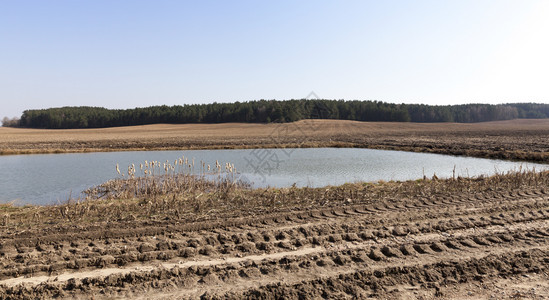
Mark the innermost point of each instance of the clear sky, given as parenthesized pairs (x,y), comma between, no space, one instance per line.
(125,54)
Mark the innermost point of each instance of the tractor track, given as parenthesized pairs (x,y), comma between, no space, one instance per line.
(363,249)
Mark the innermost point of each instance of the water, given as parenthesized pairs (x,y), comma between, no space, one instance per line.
(53,178)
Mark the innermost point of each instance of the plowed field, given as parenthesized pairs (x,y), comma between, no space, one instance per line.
(476,244)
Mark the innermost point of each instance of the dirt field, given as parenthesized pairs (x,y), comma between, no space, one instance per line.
(516,139)
(485,238)
(452,239)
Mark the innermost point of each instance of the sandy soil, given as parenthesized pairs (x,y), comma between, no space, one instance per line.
(454,246)
(516,139)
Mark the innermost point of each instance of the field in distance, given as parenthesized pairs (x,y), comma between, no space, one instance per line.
(516,139)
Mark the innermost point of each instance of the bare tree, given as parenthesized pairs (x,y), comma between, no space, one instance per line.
(13,122)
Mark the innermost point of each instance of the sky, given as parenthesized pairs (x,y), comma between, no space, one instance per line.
(126,54)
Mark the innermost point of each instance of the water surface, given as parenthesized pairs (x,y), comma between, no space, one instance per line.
(53,178)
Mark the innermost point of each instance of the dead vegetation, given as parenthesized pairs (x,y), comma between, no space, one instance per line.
(191,198)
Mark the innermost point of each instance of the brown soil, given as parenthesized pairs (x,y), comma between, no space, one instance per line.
(460,238)
(516,139)
(485,239)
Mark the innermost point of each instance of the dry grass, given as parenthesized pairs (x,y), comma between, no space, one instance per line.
(163,132)
(154,179)
(208,200)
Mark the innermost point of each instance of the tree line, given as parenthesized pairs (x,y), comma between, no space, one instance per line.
(267,111)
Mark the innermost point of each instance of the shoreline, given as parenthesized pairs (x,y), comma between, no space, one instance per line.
(517,155)
(534,157)
(517,140)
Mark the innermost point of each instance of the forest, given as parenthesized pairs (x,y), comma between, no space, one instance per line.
(267,111)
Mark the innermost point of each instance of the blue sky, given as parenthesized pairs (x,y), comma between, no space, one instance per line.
(124,54)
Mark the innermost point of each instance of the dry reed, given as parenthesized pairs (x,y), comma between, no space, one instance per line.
(160,194)
(154,179)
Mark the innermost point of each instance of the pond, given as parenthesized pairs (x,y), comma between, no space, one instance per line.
(54,178)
